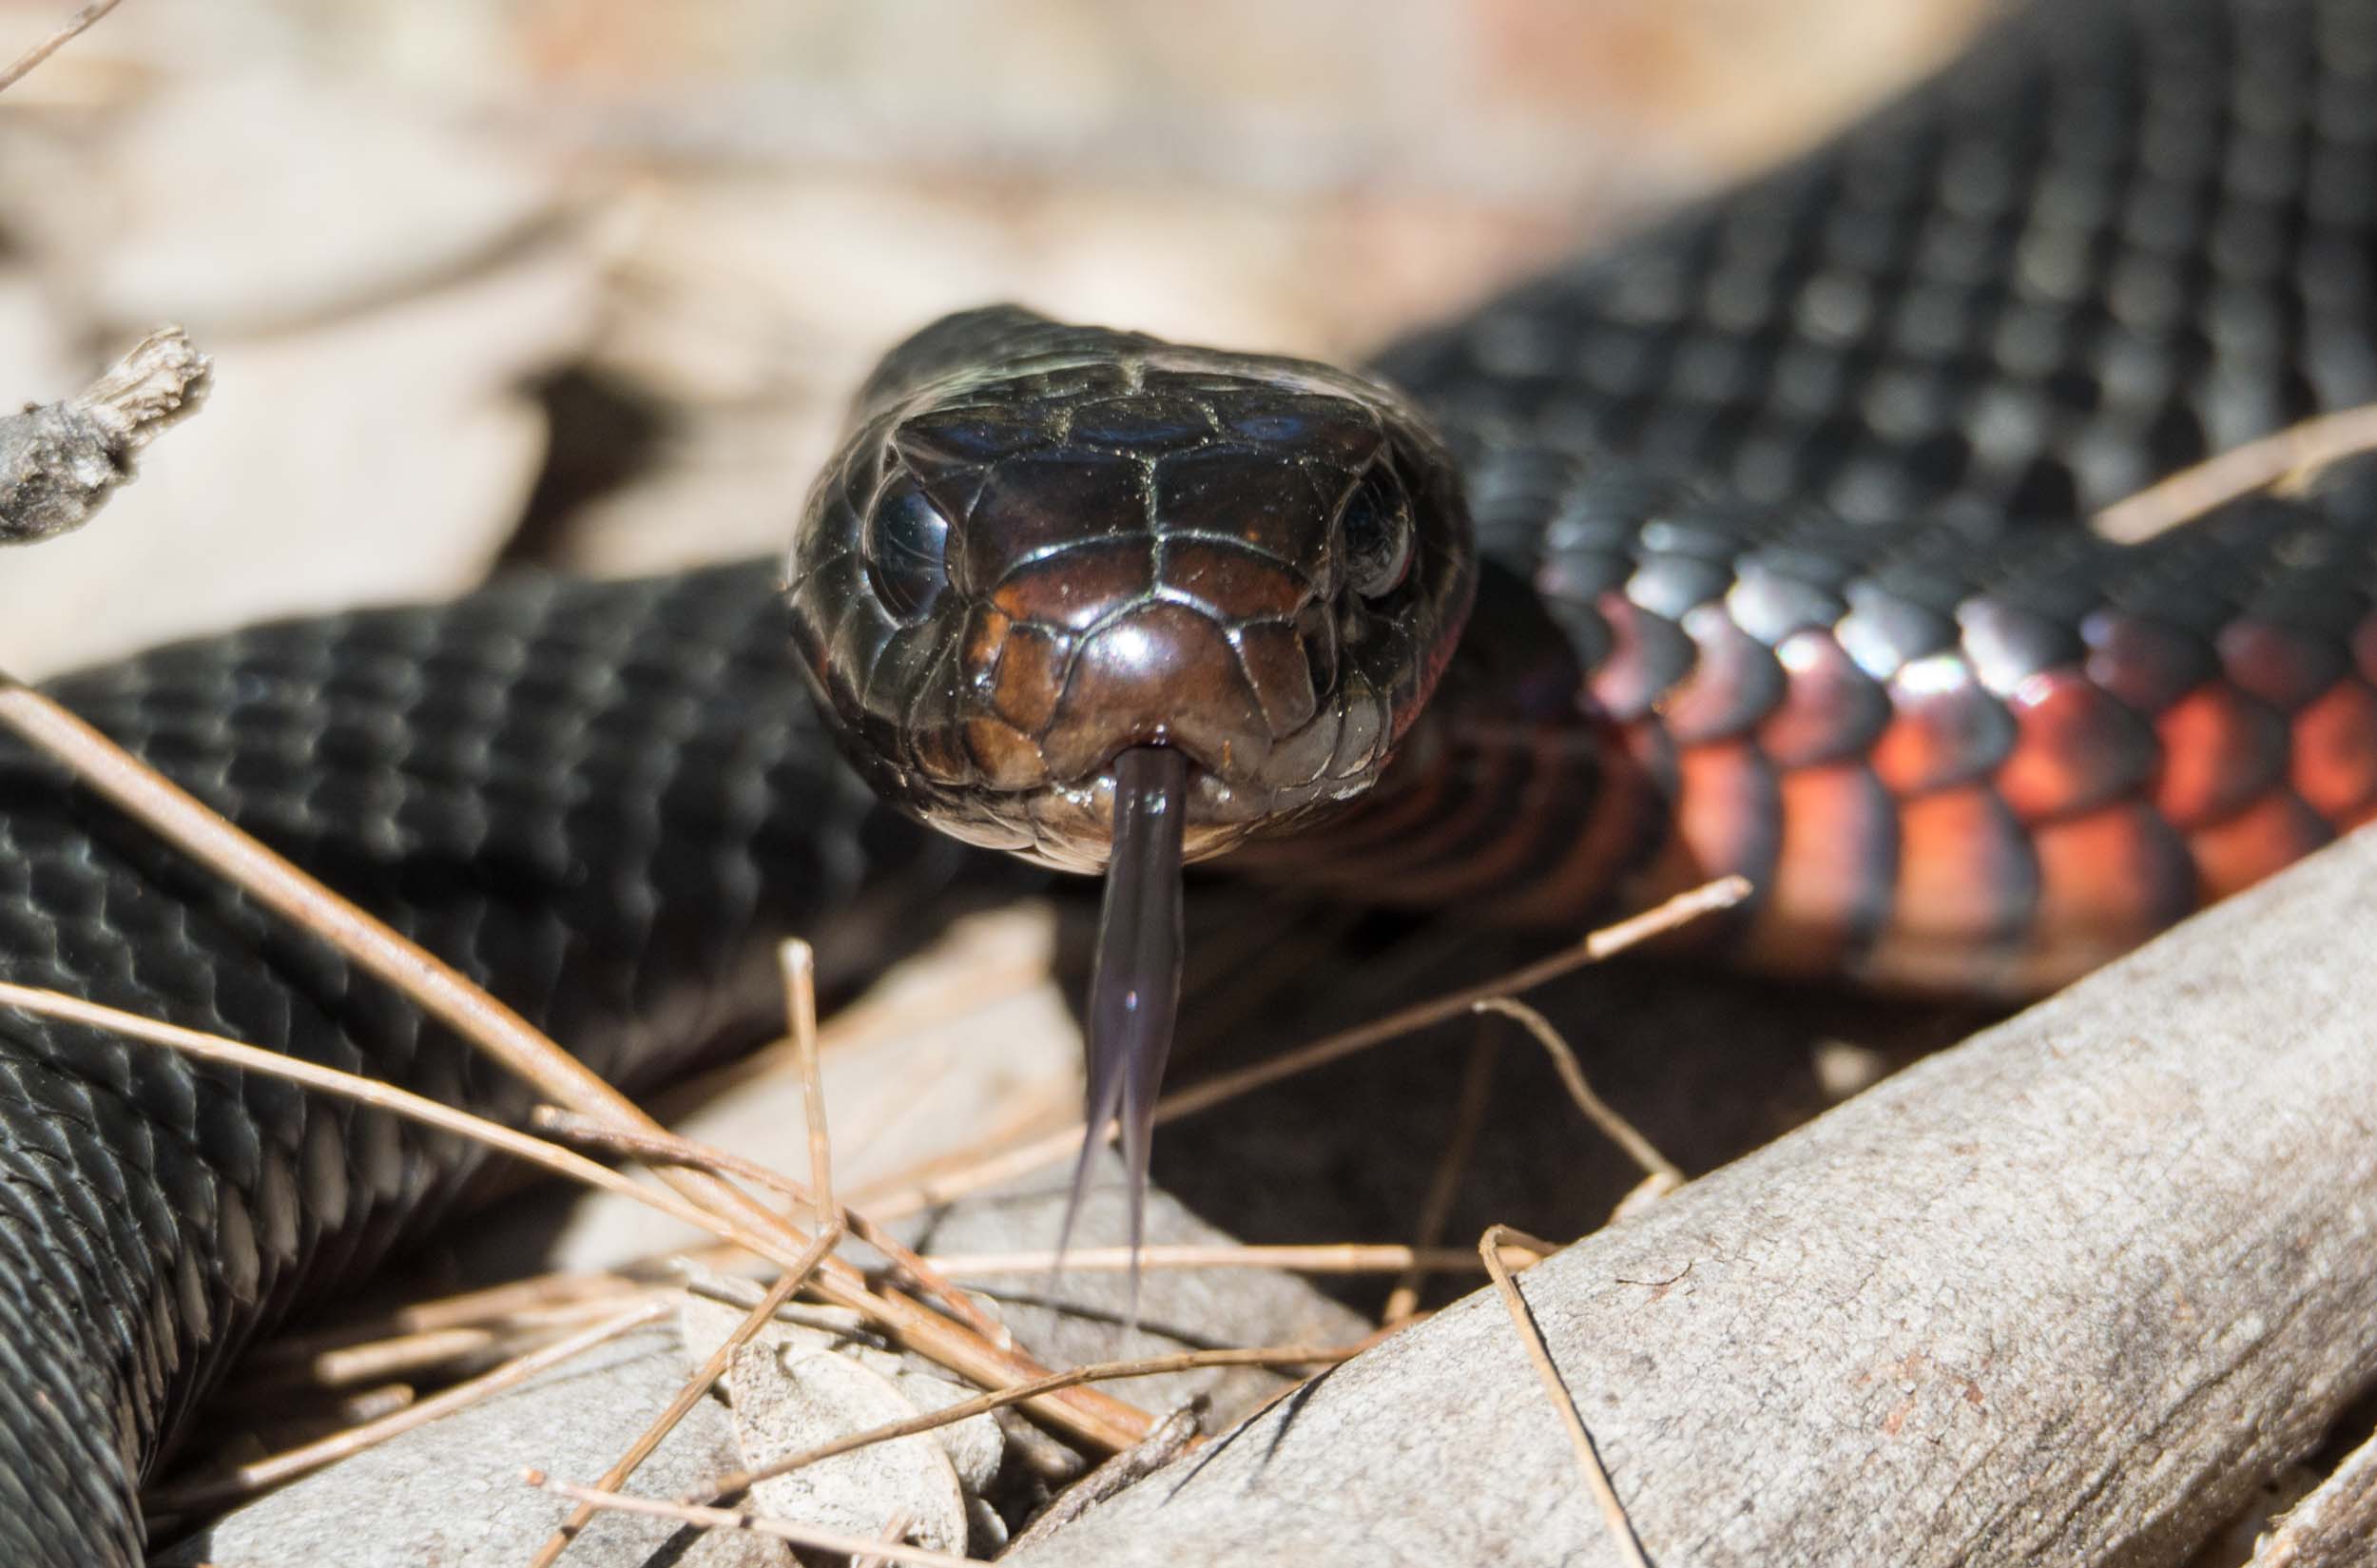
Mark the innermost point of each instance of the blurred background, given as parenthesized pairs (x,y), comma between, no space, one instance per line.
(587,281)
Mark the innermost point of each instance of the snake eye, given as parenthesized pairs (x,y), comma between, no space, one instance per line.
(1374,532)
(907,550)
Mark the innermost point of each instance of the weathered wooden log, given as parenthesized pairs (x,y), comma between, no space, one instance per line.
(2066,1294)
(2336,1527)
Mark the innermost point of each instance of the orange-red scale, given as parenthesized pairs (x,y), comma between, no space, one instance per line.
(1923,831)
(2335,752)
(2220,750)
(2108,880)
(2076,746)
(1964,892)
(2276,830)
(1946,728)
(1833,871)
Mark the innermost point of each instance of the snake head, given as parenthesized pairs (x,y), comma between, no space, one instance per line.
(1043,545)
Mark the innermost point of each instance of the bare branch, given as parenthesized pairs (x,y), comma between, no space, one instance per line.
(74,26)
(59,462)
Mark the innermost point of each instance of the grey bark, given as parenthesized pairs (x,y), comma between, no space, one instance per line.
(449,1495)
(2065,1294)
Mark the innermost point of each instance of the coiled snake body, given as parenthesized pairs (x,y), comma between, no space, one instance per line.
(1776,569)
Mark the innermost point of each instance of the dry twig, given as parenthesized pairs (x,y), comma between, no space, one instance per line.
(591,1498)
(1006,1165)
(1588,1461)
(799,963)
(248,1480)
(1436,1206)
(743,1481)
(375,1361)
(1617,1128)
(1312,1258)
(2279,460)
(73,27)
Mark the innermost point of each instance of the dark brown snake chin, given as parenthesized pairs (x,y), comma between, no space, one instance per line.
(1042,544)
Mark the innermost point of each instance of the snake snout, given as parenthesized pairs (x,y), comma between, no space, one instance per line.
(1147,640)
(1164,674)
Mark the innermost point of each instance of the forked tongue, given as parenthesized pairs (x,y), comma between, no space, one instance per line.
(1134,981)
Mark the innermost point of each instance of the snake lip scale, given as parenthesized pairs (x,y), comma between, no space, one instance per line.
(1751,545)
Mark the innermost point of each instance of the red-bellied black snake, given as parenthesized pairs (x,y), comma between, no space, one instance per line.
(1757,543)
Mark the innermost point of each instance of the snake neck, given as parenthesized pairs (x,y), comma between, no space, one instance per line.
(1948,760)
(1509,796)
